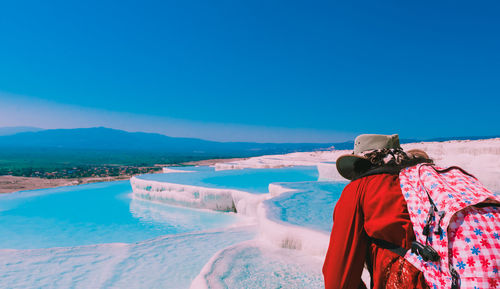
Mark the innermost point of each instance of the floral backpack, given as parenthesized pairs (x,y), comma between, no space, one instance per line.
(456,221)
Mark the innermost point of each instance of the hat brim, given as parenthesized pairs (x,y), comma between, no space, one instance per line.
(349,166)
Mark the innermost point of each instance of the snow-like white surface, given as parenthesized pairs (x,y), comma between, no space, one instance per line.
(164,262)
(278,161)
(167,170)
(196,196)
(479,157)
(255,264)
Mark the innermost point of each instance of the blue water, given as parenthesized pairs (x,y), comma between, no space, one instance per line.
(310,205)
(250,180)
(93,214)
(105,213)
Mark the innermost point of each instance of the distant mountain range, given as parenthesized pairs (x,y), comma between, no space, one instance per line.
(27,150)
(9,130)
(106,139)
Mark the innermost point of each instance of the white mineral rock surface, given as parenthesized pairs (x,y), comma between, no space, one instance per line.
(297,216)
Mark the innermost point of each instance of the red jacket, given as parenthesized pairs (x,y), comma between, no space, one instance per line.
(372,206)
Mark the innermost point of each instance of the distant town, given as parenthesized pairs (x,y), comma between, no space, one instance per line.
(82,171)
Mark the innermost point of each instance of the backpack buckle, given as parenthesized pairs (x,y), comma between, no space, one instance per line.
(425,251)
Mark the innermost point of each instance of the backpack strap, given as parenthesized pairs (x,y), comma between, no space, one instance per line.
(452,168)
(425,251)
(389,246)
(484,205)
(433,209)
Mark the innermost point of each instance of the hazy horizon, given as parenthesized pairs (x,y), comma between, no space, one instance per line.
(274,71)
(9,130)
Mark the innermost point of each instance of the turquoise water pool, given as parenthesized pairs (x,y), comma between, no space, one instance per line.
(309,205)
(107,212)
(99,236)
(250,180)
(93,214)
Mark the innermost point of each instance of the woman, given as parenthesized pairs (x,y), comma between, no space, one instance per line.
(371,217)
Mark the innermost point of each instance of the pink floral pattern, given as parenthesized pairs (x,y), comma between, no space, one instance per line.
(470,242)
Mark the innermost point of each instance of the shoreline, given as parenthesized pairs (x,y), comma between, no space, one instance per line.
(12,184)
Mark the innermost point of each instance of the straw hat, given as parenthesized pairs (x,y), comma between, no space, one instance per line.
(349,165)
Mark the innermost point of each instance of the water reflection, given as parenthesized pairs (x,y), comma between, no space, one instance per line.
(149,212)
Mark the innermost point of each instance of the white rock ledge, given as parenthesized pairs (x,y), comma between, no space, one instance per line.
(226,200)
(282,234)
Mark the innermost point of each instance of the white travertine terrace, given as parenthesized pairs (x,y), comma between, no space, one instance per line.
(479,157)
(197,197)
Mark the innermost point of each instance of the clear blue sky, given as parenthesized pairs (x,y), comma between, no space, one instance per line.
(253,70)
